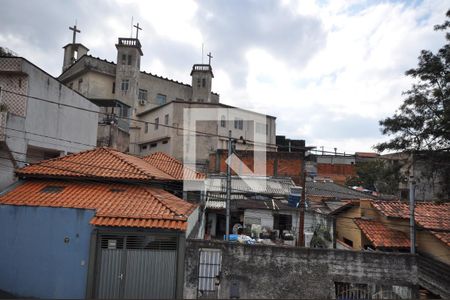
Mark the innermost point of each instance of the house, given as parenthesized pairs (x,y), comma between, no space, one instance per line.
(192,181)
(335,168)
(278,164)
(319,224)
(212,123)
(99,223)
(142,112)
(40,117)
(384,226)
(324,199)
(429,180)
(258,204)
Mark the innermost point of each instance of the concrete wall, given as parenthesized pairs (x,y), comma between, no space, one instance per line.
(112,136)
(36,259)
(433,247)
(262,271)
(205,144)
(347,229)
(41,125)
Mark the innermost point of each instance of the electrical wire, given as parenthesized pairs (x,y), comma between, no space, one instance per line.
(144,122)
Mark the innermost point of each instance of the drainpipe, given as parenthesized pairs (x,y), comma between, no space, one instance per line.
(227,229)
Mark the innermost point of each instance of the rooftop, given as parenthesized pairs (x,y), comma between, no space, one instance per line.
(431,216)
(114,204)
(172,166)
(250,185)
(382,236)
(104,163)
(330,189)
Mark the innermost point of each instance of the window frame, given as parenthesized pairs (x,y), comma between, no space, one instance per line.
(125,83)
(159,97)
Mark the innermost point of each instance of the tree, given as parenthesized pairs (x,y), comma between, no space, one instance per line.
(423,121)
(377,175)
(6,52)
(421,126)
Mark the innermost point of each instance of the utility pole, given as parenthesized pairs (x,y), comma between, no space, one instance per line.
(227,229)
(412,204)
(301,226)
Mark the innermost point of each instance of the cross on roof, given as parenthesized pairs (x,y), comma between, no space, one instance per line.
(210,56)
(137,29)
(75,30)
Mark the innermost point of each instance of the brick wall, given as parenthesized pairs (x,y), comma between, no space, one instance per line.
(277,163)
(338,172)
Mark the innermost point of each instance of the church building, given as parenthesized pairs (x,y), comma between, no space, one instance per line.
(142,113)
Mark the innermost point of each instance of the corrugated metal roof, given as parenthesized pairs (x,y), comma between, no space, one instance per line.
(330,189)
(250,184)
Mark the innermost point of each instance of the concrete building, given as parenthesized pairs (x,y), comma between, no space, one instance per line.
(115,232)
(384,226)
(160,132)
(156,104)
(32,129)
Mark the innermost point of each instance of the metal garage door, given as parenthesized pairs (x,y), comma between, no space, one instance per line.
(136,267)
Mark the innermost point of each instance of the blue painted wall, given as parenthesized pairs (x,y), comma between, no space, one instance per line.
(35,261)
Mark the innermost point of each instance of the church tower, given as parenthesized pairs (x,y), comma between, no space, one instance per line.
(73,51)
(129,54)
(202,76)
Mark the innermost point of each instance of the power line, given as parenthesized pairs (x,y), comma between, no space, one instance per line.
(169,187)
(146,122)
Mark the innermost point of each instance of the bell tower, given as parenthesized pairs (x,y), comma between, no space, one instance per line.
(202,76)
(73,51)
(129,52)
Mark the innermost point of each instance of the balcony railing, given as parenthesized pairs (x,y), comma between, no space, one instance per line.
(129,42)
(201,67)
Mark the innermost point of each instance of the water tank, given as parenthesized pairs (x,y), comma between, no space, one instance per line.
(295,194)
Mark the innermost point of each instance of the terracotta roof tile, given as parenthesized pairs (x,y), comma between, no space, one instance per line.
(171,166)
(114,204)
(382,236)
(102,163)
(427,215)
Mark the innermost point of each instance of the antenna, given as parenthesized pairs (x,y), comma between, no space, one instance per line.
(131,28)
(202,52)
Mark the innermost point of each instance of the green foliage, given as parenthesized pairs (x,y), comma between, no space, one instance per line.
(421,126)
(423,120)
(6,52)
(377,175)
(321,237)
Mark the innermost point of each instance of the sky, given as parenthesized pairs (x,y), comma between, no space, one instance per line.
(328,70)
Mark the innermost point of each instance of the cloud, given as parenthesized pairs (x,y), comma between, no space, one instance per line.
(328,70)
(234,27)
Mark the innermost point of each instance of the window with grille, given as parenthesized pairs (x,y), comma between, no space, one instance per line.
(156,123)
(238,123)
(161,99)
(125,85)
(142,95)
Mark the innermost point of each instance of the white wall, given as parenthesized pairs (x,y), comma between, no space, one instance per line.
(42,126)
